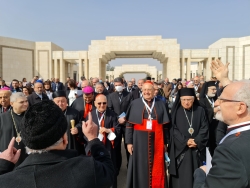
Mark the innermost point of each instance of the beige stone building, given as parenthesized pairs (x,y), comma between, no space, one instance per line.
(21,58)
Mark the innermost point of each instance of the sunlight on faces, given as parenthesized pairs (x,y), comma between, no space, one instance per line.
(187,101)
(218,114)
(38,88)
(61,102)
(88,97)
(5,98)
(99,88)
(148,91)
(101,103)
(140,83)
(211,92)
(25,91)
(15,84)
(20,105)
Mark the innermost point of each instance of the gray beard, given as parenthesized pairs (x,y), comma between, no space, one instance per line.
(211,95)
(219,117)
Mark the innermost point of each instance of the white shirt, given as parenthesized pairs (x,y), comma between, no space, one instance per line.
(72,95)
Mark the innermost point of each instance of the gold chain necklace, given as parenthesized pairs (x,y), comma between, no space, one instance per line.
(18,138)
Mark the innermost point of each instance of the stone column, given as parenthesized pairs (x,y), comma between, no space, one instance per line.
(188,69)
(80,69)
(56,68)
(164,69)
(208,70)
(86,68)
(199,68)
(183,68)
(62,71)
(71,72)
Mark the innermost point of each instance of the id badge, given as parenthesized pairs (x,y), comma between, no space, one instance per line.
(149,125)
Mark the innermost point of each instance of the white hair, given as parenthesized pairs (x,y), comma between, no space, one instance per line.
(16,96)
(32,151)
(243,94)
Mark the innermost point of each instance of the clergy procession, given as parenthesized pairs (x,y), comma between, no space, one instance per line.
(180,134)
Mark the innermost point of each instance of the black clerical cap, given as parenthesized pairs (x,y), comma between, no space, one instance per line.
(210,83)
(148,78)
(59,93)
(187,92)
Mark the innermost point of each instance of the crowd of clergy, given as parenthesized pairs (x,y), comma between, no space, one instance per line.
(169,129)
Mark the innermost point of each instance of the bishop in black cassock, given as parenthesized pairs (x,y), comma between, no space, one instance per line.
(71,114)
(10,124)
(208,96)
(188,138)
(147,133)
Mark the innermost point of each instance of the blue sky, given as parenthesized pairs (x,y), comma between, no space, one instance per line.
(73,24)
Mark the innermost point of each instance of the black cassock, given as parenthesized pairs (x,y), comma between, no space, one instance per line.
(74,141)
(8,131)
(140,166)
(213,124)
(184,160)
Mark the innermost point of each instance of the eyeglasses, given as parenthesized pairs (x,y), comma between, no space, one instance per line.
(99,103)
(229,100)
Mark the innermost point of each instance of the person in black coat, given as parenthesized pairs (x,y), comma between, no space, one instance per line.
(85,103)
(137,93)
(230,163)
(37,95)
(49,163)
(207,98)
(74,133)
(108,126)
(57,86)
(118,102)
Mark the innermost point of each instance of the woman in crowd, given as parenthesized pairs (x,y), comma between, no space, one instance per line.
(48,89)
(24,82)
(73,91)
(175,91)
(27,91)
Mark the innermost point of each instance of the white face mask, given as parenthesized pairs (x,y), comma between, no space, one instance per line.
(119,88)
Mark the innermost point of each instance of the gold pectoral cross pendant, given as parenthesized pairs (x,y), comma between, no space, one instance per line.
(18,138)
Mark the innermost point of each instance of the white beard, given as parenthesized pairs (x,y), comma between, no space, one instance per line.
(219,117)
(211,95)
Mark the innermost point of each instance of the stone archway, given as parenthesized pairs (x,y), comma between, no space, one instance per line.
(167,51)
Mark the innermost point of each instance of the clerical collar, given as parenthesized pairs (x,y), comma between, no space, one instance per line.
(18,114)
(232,127)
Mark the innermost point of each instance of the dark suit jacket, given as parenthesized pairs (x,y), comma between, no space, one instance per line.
(34,98)
(135,94)
(79,104)
(110,122)
(60,86)
(230,164)
(115,105)
(62,168)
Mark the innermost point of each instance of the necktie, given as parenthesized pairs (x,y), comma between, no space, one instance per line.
(120,96)
(102,125)
(4,109)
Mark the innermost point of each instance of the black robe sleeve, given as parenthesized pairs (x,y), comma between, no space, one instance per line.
(129,133)
(6,166)
(202,137)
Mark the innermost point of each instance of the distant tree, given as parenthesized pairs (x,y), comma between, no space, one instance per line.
(109,68)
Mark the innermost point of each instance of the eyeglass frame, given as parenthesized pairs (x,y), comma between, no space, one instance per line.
(229,100)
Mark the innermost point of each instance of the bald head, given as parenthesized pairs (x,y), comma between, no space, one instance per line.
(5,98)
(148,91)
(101,102)
(234,103)
(85,83)
(140,83)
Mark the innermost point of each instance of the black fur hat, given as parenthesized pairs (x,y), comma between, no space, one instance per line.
(43,125)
